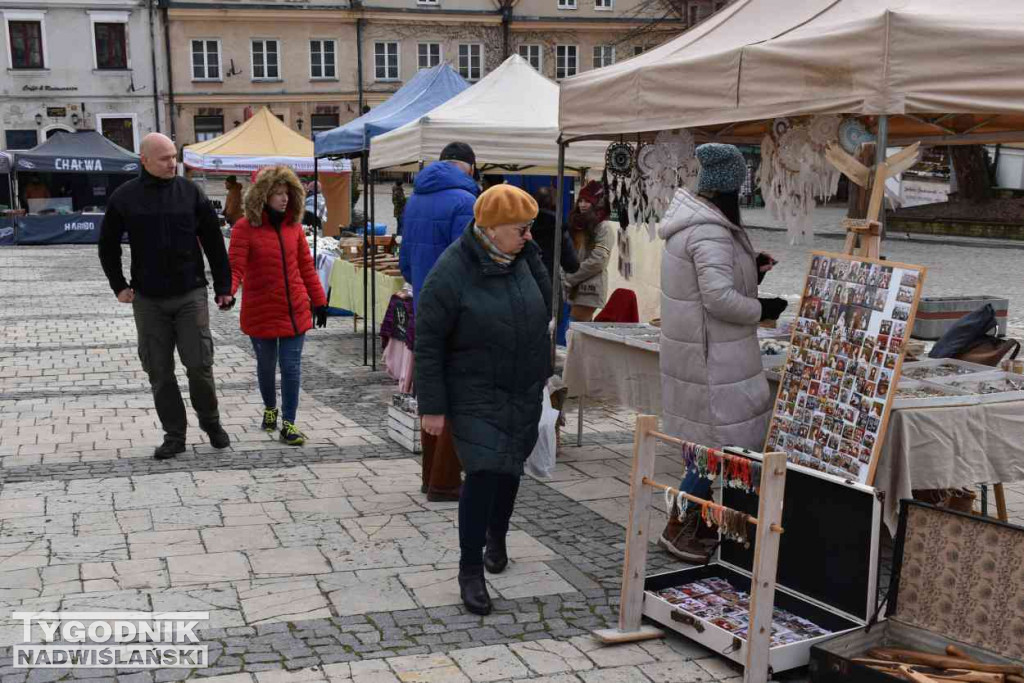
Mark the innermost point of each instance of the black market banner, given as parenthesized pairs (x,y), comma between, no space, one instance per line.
(844,363)
(74,228)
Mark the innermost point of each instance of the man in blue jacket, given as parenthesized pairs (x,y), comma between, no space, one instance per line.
(436,215)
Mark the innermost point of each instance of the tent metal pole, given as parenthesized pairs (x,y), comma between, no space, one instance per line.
(556,278)
(316,213)
(364,160)
(373,267)
(881,152)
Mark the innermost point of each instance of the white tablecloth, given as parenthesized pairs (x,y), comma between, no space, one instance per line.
(924,448)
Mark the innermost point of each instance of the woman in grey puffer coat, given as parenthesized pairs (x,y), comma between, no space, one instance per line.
(714,391)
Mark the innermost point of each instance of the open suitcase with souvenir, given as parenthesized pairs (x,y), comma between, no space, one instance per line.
(955,606)
(826,578)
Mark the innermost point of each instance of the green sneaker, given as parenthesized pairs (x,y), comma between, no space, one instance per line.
(291,435)
(269,420)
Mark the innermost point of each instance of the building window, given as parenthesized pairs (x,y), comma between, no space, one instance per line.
(385,60)
(605,5)
(566,4)
(604,55)
(429,55)
(322,122)
(20,139)
(471,61)
(206,60)
(639,50)
(694,15)
(119,129)
(532,54)
(566,61)
(265,65)
(111,46)
(321,59)
(26,44)
(208,127)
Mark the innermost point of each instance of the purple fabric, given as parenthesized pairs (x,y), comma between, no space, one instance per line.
(399,322)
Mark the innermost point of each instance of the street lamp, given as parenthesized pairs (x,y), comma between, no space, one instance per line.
(39,119)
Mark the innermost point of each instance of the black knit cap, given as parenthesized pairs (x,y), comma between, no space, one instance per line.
(458,151)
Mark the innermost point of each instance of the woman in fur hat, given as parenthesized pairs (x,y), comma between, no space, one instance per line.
(270,260)
(483,356)
(593,236)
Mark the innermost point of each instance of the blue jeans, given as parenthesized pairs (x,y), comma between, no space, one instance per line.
(289,351)
(695,485)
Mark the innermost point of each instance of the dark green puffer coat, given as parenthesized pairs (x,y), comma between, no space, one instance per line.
(483,353)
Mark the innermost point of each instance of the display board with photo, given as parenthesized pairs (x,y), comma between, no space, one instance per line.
(844,360)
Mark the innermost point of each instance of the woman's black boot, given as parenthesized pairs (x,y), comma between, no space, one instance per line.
(473,589)
(495,554)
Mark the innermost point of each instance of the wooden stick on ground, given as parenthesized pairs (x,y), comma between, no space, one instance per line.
(943,661)
(962,675)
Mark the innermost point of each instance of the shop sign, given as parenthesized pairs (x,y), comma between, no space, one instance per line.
(49,88)
(56,112)
(60,164)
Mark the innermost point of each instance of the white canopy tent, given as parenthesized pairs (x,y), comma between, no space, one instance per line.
(510,119)
(762,59)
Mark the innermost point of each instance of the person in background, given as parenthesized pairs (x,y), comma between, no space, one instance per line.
(714,391)
(271,262)
(436,215)
(489,180)
(593,236)
(233,202)
(170,224)
(482,360)
(398,201)
(544,237)
(35,188)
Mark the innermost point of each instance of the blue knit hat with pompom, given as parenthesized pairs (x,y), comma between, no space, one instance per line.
(722,168)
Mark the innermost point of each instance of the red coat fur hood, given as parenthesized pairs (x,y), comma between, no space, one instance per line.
(274,267)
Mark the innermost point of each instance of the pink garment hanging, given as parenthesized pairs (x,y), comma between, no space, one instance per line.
(398,361)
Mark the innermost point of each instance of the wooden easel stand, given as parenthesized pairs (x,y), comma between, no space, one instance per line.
(766,550)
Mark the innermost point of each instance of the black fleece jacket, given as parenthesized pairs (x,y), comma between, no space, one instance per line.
(170,223)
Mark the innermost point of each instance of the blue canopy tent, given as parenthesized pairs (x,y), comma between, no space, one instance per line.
(427,89)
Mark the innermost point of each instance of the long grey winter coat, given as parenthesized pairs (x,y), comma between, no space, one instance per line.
(714,391)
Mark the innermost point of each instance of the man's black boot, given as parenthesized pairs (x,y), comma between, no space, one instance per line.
(169,448)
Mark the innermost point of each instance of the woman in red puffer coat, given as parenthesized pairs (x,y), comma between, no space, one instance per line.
(270,261)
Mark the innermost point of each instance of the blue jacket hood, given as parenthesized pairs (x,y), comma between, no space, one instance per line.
(441,176)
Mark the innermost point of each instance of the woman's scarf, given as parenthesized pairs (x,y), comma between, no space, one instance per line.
(497,255)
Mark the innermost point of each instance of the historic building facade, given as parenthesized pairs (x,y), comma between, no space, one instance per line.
(302,59)
(89,64)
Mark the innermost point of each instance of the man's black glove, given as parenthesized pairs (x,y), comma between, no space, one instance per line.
(771,309)
(320,316)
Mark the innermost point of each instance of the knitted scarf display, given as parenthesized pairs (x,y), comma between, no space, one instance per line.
(497,255)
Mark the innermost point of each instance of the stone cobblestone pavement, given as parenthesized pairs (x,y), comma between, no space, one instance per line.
(321,563)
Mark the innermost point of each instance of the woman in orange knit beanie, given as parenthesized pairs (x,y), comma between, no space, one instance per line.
(482,361)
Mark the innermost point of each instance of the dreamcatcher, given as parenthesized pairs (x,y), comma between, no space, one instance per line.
(794,171)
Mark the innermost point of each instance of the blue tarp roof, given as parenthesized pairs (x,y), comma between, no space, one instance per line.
(427,89)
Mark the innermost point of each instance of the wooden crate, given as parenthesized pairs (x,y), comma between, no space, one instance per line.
(404,428)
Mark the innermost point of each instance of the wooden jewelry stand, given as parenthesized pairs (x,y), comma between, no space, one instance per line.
(766,549)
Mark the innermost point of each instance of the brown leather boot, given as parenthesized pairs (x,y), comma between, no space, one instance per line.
(684,539)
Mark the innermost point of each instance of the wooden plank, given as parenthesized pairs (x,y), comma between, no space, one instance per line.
(1000,494)
(903,159)
(613,636)
(634,567)
(848,165)
(877,192)
(766,559)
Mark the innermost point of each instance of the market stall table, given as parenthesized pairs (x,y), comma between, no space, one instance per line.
(980,443)
(347,289)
